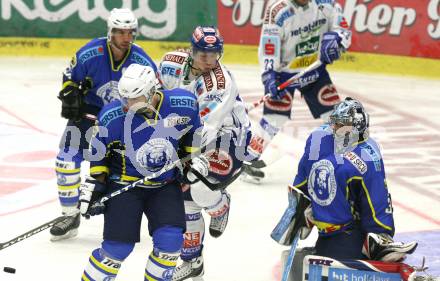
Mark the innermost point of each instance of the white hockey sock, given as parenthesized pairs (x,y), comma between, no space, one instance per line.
(101,267)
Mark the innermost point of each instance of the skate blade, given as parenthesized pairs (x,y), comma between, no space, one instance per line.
(72,233)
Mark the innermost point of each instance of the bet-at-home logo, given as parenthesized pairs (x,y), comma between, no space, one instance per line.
(308,47)
(162,24)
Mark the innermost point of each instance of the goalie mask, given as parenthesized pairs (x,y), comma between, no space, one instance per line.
(350,124)
(137,86)
(121,19)
(207,47)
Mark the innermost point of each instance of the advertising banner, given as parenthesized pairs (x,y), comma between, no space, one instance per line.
(393,27)
(170,20)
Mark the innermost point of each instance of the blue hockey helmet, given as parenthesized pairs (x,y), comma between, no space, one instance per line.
(350,112)
(207,39)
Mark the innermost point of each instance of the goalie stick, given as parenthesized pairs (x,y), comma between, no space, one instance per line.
(285,84)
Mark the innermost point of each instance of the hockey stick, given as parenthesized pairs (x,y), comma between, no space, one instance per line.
(285,84)
(217,186)
(29,233)
(289,261)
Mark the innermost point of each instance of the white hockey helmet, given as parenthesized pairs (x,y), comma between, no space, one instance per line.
(121,19)
(137,80)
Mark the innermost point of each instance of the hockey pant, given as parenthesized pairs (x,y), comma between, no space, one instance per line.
(320,97)
(73,145)
(105,262)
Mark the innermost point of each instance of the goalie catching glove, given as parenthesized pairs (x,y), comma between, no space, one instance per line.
(91,192)
(382,247)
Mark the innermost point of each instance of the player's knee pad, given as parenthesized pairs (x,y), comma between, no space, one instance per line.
(68,181)
(167,241)
(101,266)
(168,238)
(203,196)
(195,231)
(160,265)
(221,207)
(116,249)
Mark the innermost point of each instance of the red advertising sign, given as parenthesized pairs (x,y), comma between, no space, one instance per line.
(395,27)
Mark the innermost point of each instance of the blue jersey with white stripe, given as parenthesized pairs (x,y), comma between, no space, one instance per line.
(94,63)
(132,145)
(345,187)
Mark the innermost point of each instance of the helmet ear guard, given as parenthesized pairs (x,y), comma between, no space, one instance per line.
(121,19)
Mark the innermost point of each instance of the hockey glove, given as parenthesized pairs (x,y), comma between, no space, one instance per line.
(271,83)
(201,165)
(72,100)
(331,47)
(383,248)
(91,192)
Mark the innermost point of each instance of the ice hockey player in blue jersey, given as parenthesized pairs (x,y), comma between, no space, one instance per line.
(89,83)
(295,34)
(342,174)
(145,132)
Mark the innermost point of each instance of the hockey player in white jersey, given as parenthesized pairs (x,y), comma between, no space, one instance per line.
(295,34)
(227,134)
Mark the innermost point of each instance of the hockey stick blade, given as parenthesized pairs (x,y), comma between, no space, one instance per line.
(29,233)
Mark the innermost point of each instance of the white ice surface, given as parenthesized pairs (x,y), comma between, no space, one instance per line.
(405,118)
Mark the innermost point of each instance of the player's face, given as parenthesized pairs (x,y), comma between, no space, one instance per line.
(122,38)
(341,130)
(138,104)
(205,61)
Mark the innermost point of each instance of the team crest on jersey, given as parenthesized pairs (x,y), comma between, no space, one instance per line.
(220,162)
(322,182)
(108,92)
(155,154)
(328,96)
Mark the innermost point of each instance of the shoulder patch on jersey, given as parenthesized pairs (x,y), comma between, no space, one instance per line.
(272,11)
(284,15)
(175,58)
(208,81)
(373,154)
(357,162)
(220,77)
(90,53)
(182,101)
(110,115)
(176,121)
(140,59)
